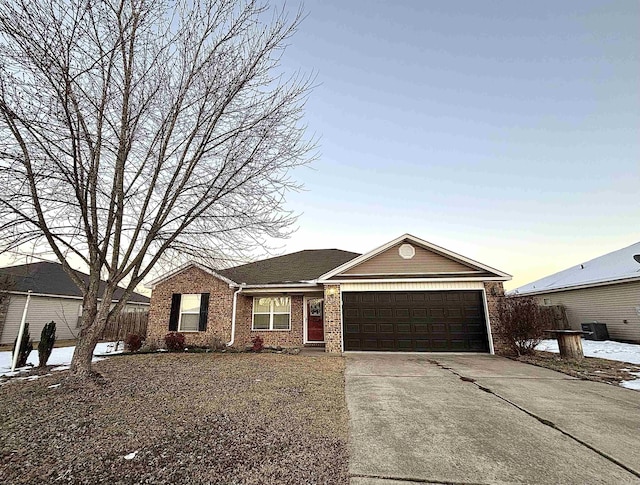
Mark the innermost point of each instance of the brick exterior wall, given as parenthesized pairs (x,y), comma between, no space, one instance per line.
(495,292)
(194,280)
(275,338)
(332,319)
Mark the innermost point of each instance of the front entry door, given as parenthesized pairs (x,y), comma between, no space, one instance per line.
(315,320)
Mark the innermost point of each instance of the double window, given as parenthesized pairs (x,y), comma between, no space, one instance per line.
(272,313)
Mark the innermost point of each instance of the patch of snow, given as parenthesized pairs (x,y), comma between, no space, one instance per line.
(61,367)
(635,384)
(60,356)
(606,349)
(131,456)
(53,386)
(109,348)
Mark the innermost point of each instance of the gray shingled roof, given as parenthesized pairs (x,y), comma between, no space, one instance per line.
(49,278)
(291,268)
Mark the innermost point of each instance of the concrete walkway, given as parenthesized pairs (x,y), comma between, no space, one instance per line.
(470,419)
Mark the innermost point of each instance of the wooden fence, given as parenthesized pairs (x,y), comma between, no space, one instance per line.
(556,316)
(126,323)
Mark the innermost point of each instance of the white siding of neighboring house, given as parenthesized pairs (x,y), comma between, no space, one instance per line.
(610,304)
(63,311)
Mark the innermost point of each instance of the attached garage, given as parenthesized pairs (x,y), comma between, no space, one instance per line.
(410,295)
(423,321)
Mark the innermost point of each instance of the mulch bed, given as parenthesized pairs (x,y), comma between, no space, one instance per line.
(589,368)
(195,418)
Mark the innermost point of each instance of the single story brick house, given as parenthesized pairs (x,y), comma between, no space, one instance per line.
(605,289)
(406,295)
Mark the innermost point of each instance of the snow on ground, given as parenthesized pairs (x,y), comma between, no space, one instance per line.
(606,349)
(60,357)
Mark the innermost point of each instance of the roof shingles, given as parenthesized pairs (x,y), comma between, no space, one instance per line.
(297,267)
(48,278)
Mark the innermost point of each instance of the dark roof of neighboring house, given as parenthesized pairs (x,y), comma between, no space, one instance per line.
(50,279)
(291,268)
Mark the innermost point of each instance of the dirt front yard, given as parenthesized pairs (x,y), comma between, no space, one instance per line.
(192,418)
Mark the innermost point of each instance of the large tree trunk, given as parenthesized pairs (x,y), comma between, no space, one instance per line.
(94,321)
(81,363)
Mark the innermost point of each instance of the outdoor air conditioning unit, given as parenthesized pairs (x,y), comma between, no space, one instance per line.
(598,331)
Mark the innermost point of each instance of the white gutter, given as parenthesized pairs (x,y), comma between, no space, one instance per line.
(233,317)
(14,361)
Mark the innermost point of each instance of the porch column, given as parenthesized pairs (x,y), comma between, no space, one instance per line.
(332,320)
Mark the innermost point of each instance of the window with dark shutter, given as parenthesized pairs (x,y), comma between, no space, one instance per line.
(204,312)
(175,312)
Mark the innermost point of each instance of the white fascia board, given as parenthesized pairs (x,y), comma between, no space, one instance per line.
(575,287)
(152,284)
(70,297)
(420,242)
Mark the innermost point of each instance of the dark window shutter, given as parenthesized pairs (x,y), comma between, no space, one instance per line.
(175,312)
(204,312)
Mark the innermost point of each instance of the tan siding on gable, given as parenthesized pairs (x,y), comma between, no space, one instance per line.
(610,304)
(424,261)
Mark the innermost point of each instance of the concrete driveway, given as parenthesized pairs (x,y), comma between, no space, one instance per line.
(470,419)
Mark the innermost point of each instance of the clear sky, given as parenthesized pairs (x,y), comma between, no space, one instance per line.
(506,131)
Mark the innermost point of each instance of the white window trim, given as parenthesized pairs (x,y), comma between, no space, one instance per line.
(271,314)
(189,313)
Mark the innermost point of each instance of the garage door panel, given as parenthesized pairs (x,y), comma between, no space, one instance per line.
(415,321)
(402,313)
(405,344)
(385,313)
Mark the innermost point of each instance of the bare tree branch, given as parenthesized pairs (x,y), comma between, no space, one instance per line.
(135,132)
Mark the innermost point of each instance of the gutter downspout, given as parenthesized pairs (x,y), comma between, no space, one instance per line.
(233,317)
(14,360)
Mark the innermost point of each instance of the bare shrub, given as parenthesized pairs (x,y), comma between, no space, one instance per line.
(522,324)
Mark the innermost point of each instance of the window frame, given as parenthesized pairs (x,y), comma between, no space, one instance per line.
(197,312)
(271,314)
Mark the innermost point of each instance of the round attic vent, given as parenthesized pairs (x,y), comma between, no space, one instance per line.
(407,251)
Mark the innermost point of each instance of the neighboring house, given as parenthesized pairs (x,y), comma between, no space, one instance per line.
(54,296)
(605,289)
(407,295)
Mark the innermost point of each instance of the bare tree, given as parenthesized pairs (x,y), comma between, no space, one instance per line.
(133,131)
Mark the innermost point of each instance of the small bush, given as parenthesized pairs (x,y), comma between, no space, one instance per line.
(26,346)
(47,340)
(174,341)
(258,344)
(522,323)
(132,342)
(149,346)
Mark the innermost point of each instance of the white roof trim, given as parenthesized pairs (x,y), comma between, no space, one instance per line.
(419,242)
(184,267)
(574,287)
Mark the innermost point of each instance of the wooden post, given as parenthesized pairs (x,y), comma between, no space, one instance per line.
(570,345)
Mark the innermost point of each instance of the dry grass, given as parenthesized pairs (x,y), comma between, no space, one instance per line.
(589,368)
(193,418)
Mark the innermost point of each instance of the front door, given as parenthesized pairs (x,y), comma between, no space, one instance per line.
(315,320)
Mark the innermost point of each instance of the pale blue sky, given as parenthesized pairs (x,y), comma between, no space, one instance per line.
(506,131)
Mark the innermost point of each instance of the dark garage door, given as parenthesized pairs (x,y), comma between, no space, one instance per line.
(428,321)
